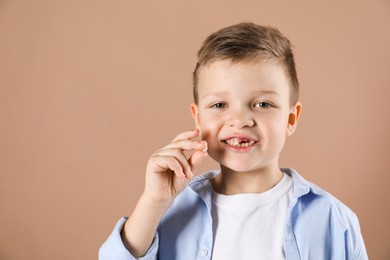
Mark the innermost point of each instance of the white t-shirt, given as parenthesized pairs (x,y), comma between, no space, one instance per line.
(251,226)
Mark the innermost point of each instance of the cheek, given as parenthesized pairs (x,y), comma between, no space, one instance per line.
(210,126)
(275,126)
(278,131)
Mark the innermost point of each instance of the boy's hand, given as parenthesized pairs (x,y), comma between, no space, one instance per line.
(169,171)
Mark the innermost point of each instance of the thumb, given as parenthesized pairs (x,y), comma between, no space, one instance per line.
(196,158)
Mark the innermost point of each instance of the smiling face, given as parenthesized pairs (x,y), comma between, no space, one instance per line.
(244,113)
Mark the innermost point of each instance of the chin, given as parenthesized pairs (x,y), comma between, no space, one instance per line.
(238,167)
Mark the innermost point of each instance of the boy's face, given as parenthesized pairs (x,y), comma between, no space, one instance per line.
(244,113)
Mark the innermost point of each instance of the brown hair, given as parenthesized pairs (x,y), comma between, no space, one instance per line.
(248,41)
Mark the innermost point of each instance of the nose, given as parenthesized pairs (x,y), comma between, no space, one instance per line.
(240,119)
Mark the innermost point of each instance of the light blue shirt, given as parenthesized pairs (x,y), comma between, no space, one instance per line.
(318,226)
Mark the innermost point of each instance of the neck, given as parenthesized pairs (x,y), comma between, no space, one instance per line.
(230,182)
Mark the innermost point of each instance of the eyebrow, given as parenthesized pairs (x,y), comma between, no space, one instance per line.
(220,93)
(257,93)
(267,92)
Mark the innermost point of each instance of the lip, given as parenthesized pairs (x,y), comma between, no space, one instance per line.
(240,138)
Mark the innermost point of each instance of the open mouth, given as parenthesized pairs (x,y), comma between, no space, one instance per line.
(239,142)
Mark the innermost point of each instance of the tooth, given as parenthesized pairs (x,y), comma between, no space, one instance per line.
(237,143)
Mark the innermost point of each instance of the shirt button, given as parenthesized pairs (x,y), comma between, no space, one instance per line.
(203,252)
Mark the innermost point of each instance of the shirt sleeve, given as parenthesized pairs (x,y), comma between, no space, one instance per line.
(355,241)
(113,247)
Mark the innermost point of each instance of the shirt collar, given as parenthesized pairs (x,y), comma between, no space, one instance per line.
(301,186)
(202,185)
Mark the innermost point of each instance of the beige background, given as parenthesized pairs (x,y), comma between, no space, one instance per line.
(89,89)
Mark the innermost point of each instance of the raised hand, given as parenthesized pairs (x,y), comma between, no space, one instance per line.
(167,174)
(169,170)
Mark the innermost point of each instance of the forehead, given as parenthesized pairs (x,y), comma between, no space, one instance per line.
(244,76)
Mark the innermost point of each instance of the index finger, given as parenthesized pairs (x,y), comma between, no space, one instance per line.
(186,135)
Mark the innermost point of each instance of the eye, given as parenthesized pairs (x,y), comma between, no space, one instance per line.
(218,105)
(263,105)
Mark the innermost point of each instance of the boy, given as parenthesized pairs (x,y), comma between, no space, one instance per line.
(246,105)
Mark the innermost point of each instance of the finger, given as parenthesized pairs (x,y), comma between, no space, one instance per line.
(187,145)
(186,135)
(180,157)
(164,163)
(196,158)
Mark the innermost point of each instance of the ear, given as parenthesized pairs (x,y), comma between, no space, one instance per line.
(293,118)
(195,115)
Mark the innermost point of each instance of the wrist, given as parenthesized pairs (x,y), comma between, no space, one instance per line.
(155,204)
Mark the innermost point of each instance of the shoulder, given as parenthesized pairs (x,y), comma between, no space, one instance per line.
(311,195)
(313,208)
(316,215)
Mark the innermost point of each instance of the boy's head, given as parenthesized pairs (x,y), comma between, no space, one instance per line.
(246,96)
(248,42)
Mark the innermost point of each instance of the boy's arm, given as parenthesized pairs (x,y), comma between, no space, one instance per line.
(139,230)
(167,174)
